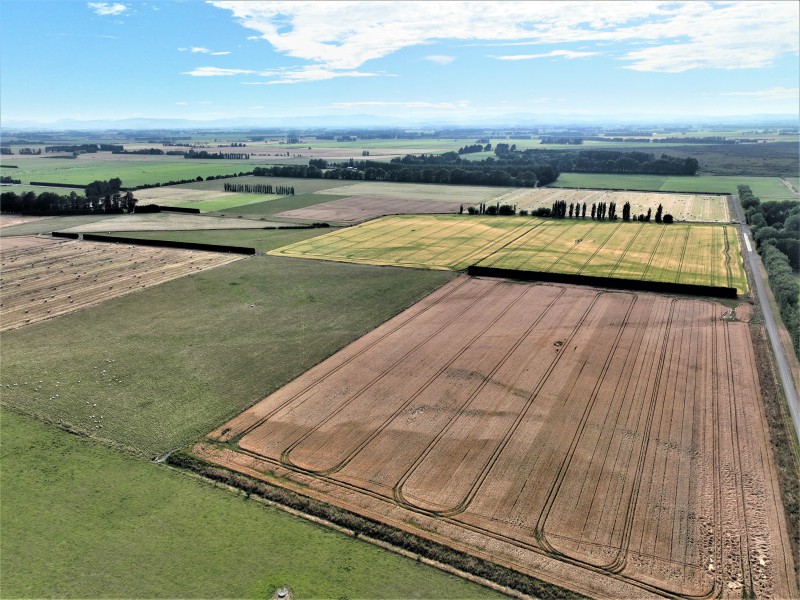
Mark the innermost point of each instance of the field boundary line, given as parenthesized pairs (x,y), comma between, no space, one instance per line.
(364,350)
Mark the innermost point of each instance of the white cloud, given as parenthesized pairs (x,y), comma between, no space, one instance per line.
(202,50)
(569,54)
(304,74)
(216,72)
(105,9)
(460,104)
(440,59)
(775,93)
(342,36)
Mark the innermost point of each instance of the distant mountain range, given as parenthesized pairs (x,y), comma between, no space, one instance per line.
(375,121)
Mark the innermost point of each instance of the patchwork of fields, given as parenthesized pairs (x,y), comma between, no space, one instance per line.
(357,209)
(683,207)
(680,253)
(43,278)
(610,442)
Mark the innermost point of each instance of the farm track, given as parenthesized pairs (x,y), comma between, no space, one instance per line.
(51,281)
(577,435)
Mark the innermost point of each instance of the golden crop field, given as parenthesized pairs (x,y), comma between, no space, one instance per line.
(683,207)
(699,254)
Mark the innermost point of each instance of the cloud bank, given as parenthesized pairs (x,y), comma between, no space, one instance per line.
(340,37)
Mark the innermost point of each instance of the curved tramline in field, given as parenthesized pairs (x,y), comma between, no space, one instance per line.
(681,253)
(608,442)
(42,280)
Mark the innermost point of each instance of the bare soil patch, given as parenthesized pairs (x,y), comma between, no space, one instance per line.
(41,281)
(613,443)
(357,209)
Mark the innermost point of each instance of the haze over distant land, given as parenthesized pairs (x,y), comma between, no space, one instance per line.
(229,64)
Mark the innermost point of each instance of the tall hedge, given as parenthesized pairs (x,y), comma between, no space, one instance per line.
(776,230)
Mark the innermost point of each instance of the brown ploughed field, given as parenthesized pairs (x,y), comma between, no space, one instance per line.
(47,278)
(612,443)
(357,209)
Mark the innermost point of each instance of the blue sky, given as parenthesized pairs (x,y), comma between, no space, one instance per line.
(68,59)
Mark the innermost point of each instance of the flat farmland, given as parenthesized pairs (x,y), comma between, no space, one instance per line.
(12,220)
(133,170)
(204,200)
(700,254)
(300,185)
(44,279)
(166,221)
(763,187)
(684,207)
(678,253)
(465,194)
(425,241)
(357,209)
(612,443)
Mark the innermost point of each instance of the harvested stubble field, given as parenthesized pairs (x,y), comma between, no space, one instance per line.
(608,442)
(680,253)
(684,207)
(465,194)
(167,221)
(11,220)
(45,279)
(357,209)
(763,187)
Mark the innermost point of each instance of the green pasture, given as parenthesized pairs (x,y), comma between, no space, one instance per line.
(133,172)
(80,520)
(681,253)
(222,203)
(765,187)
(155,369)
(41,189)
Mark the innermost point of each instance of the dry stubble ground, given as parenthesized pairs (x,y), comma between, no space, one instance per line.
(608,442)
(41,278)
